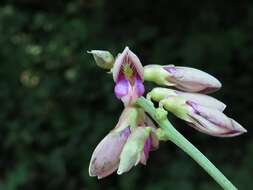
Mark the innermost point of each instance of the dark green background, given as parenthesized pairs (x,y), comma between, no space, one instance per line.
(56,105)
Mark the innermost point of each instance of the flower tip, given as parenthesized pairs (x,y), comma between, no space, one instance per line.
(126,48)
(238,127)
(119,172)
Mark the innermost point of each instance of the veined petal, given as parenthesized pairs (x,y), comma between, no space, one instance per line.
(203,100)
(214,122)
(137,64)
(192,80)
(127,57)
(105,158)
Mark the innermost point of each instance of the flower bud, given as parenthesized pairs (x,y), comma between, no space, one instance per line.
(205,119)
(103,59)
(159,93)
(105,158)
(133,149)
(214,122)
(184,78)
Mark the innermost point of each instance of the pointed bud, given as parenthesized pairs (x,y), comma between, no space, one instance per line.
(184,78)
(133,149)
(214,122)
(207,120)
(103,59)
(159,93)
(105,158)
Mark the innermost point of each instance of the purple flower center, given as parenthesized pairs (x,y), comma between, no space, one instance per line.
(121,88)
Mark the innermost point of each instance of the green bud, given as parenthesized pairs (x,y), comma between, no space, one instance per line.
(176,105)
(103,59)
(159,93)
(157,74)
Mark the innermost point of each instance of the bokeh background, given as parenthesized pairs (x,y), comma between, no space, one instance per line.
(56,105)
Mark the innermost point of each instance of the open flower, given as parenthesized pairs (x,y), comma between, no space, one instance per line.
(184,78)
(205,119)
(128,76)
(128,144)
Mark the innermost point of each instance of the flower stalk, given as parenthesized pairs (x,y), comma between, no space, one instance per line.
(160,116)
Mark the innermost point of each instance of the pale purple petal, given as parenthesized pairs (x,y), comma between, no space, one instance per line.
(128,73)
(213,122)
(118,64)
(105,158)
(137,64)
(192,80)
(203,100)
(127,57)
(140,87)
(121,88)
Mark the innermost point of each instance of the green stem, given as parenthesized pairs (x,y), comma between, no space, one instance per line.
(178,139)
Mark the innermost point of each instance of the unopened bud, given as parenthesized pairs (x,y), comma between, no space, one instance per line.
(103,59)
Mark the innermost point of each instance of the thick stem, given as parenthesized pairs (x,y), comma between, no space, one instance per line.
(178,139)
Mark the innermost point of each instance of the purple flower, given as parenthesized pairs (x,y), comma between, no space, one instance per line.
(128,76)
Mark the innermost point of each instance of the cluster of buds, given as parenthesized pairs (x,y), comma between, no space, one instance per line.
(135,135)
(128,144)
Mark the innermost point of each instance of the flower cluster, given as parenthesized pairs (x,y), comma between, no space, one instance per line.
(135,135)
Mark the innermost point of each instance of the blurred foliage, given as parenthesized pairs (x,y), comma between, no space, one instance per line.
(56,105)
